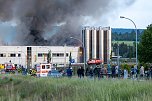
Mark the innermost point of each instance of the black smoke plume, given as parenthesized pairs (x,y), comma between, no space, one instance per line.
(60,18)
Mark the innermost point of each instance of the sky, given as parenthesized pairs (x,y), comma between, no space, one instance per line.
(139,12)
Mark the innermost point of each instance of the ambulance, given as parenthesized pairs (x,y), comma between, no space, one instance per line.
(42,69)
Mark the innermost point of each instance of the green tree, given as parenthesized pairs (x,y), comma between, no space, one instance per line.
(145,46)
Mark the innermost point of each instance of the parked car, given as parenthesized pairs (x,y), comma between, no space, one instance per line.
(54,73)
(2,71)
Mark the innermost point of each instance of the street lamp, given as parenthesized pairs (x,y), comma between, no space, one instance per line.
(136,35)
(118,57)
(83,51)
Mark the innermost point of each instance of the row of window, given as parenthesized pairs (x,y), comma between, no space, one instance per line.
(39,55)
(10,55)
(53,54)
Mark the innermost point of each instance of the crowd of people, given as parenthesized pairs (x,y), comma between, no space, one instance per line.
(106,71)
(112,72)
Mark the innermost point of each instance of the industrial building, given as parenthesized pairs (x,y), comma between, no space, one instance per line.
(97,43)
(28,56)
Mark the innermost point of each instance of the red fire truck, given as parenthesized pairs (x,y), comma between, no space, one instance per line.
(10,67)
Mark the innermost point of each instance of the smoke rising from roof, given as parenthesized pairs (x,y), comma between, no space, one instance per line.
(66,17)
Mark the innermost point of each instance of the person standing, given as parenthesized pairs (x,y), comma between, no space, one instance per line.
(82,72)
(132,72)
(105,72)
(148,74)
(125,74)
(113,71)
(109,70)
(151,72)
(142,71)
(91,72)
(69,72)
(102,72)
(116,71)
(135,72)
(79,72)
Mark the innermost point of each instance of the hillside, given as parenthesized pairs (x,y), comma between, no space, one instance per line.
(120,34)
(124,30)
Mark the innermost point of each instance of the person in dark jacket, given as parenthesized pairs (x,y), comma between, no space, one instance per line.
(91,72)
(82,72)
(113,72)
(69,72)
(79,72)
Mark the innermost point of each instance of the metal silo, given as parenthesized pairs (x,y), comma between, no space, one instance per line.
(94,43)
(107,44)
(101,53)
(87,42)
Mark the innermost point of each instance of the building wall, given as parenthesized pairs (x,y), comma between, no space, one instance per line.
(19,55)
(97,43)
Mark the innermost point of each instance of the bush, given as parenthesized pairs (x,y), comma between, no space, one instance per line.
(126,66)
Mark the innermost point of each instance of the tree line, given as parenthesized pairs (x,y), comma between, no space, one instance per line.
(127,36)
(125,50)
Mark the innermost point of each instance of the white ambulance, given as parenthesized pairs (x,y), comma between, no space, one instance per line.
(42,69)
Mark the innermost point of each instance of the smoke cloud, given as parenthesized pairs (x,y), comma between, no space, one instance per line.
(61,18)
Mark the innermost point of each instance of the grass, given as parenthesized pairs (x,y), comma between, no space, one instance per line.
(26,88)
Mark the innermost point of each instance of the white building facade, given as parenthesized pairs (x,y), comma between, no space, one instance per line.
(28,56)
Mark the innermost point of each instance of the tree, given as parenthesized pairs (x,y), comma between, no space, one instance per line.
(49,57)
(145,46)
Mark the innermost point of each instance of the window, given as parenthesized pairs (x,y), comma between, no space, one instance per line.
(12,55)
(67,54)
(40,54)
(43,66)
(2,55)
(54,55)
(28,48)
(47,66)
(19,55)
(61,54)
(57,54)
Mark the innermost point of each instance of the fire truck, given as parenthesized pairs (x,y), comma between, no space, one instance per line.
(10,67)
(94,62)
